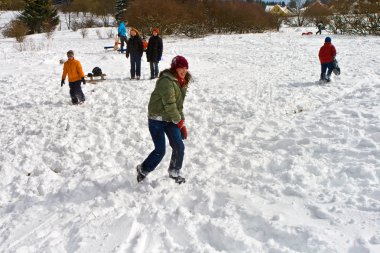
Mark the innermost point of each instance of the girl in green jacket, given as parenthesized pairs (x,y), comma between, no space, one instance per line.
(165,117)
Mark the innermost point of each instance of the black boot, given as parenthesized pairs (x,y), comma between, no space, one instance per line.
(140,175)
(179,179)
(175,174)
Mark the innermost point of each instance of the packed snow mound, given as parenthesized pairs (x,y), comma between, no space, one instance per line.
(274,162)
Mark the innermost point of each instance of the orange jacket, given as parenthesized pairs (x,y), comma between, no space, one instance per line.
(74,69)
(145,44)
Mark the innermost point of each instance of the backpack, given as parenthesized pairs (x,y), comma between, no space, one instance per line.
(336,68)
(97,71)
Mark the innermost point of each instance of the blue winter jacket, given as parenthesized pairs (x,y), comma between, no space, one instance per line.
(122,30)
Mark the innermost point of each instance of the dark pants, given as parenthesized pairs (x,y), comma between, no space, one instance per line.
(157,130)
(324,67)
(76,92)
(319,31)
(135,65)
(154,69)
(122,40)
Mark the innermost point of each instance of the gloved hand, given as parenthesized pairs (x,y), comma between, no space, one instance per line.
(83,80)
(62,82)
(182,127)
(181,124)
(184,133)
(127,55)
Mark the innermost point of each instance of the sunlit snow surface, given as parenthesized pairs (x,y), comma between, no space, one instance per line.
(275,161)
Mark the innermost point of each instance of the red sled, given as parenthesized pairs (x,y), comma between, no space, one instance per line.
(307,33)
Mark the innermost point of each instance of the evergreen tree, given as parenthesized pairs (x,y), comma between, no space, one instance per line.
(120,8)
(39,16)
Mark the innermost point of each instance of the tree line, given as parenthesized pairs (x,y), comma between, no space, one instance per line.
(189,17)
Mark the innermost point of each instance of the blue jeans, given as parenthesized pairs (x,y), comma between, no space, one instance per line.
(76,92)
(154,69)
(135,65)
(157,130)
(324,67)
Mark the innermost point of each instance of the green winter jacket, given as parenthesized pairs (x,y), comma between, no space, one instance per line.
(166,101)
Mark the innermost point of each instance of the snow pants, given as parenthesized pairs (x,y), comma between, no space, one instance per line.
(324,67)
(76,92)
(157,130)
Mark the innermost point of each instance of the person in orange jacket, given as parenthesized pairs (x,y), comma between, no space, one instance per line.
(73,69)
(145,44)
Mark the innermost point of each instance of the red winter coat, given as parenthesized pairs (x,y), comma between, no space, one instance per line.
(327,53)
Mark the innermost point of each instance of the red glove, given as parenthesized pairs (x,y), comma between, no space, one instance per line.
(181,124)
(182,127)
(184,133)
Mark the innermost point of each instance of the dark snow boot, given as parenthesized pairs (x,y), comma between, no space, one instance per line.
(179,179)
(140,175)
(175,174)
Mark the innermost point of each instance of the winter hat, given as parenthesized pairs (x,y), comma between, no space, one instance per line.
(328,39)
(70,53)
(179,62)
(156,30)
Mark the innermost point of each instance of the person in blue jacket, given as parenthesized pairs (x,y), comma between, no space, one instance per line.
(122,33)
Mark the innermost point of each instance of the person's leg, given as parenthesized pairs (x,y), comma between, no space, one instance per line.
(323,71)
(156,70)
(73,96)
(138,67)
(178,147)
(157,131)
(80,94)
(133,67)
(330,67)
(121,43)
(151,70)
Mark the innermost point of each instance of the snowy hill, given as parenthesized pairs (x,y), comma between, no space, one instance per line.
(275,162)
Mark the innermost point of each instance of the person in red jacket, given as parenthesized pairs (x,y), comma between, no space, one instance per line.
(73,69)
(326,57)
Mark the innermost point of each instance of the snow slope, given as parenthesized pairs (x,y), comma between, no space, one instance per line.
(275,162)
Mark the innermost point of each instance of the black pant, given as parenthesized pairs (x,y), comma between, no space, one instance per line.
(122,40)
(76,92)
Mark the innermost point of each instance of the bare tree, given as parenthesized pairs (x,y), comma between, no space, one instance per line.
(317,13)
(299,11)
(362,17)
(103,9)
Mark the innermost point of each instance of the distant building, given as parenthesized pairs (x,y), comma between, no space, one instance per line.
(318,4)
(278,10)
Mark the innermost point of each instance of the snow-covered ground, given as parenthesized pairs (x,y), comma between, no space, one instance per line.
(275,162)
